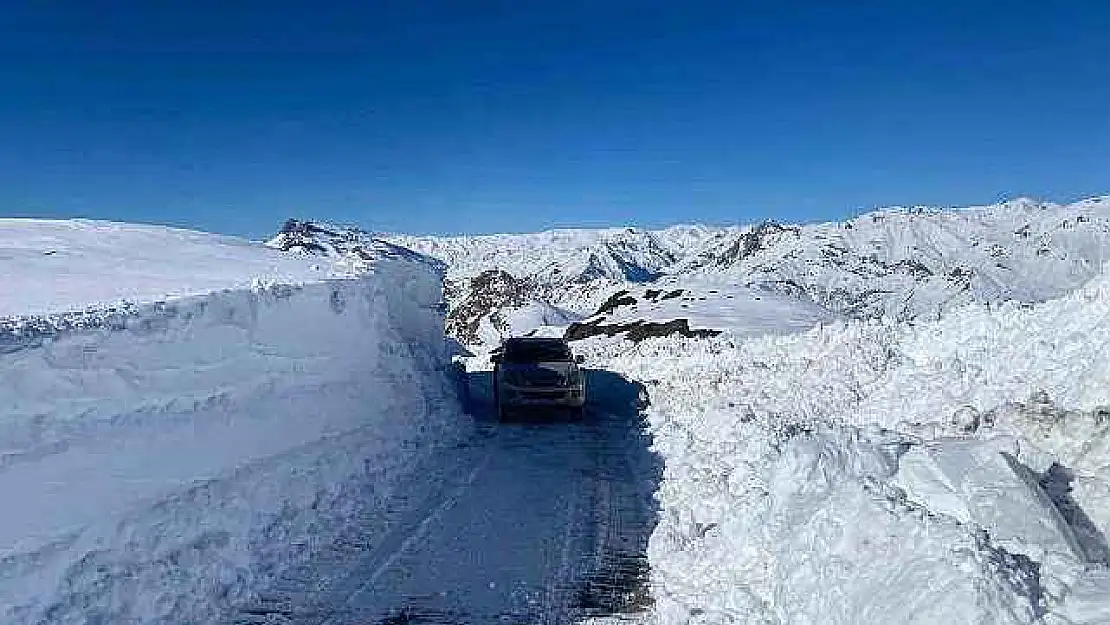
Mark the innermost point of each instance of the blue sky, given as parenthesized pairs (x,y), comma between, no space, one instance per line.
(516,115)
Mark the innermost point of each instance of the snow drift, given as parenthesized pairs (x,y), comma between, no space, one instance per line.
(867,472)
(162,458)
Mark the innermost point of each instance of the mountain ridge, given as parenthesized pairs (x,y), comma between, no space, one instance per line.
(905,263)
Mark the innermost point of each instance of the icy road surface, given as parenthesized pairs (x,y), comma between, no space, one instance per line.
(539,521)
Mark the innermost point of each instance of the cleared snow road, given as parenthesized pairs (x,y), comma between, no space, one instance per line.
(534,522)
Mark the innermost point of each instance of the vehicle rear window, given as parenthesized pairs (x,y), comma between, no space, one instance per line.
(524,352)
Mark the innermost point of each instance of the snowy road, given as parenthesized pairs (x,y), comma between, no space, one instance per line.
(534,522)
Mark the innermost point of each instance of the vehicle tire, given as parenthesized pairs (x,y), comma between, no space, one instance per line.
(578,414)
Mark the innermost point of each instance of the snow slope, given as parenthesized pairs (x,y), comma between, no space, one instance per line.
(912,263)
(705,304)
(164,457)
(65,266)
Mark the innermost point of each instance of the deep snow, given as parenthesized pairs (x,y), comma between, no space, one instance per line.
(903,430)
(58,266)
(866,472)
(163,459)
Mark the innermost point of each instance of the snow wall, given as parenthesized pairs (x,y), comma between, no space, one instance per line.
(158,463)
(797,483)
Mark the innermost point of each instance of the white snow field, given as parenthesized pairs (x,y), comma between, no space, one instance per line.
(164,456)
(60,266)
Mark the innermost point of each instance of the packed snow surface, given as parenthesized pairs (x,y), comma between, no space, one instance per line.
(65,266)
(537,521)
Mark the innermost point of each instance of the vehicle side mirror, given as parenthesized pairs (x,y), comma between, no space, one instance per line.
(580,359)
(496,359)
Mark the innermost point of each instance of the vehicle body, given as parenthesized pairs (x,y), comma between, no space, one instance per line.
(537,373)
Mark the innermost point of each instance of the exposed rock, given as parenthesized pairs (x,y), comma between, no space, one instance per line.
(636,331)
(754,240)
(488,296)
(618,299)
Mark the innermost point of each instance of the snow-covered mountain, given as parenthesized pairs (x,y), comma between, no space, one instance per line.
(906,263)
(561,258)
(912,262)
(350,250)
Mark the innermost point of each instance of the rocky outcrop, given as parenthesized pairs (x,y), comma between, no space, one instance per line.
(635,331)
(486,296)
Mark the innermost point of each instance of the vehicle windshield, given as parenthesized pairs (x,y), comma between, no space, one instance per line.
(522,352)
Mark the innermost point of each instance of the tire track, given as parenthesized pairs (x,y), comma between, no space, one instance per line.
(523,523)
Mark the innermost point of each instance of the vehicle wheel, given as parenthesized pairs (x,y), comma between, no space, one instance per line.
(578,414)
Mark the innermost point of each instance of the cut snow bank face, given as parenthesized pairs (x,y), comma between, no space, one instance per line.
(158,467)
(982,483)
(66,266)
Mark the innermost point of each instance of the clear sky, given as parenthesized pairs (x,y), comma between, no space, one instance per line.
(516,115)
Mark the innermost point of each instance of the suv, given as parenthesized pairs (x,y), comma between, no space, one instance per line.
(537,372)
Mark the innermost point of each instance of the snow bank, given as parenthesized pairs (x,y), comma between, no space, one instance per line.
(789,493)
(159,463)
(769,517)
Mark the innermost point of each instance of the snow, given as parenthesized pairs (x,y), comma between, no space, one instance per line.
(940,458)
(854,472)
(163,465)
(904,418)
(905,263)
(64,266)
(982,483)
(912,263)
(561,256)
(715,303)
(535,318)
